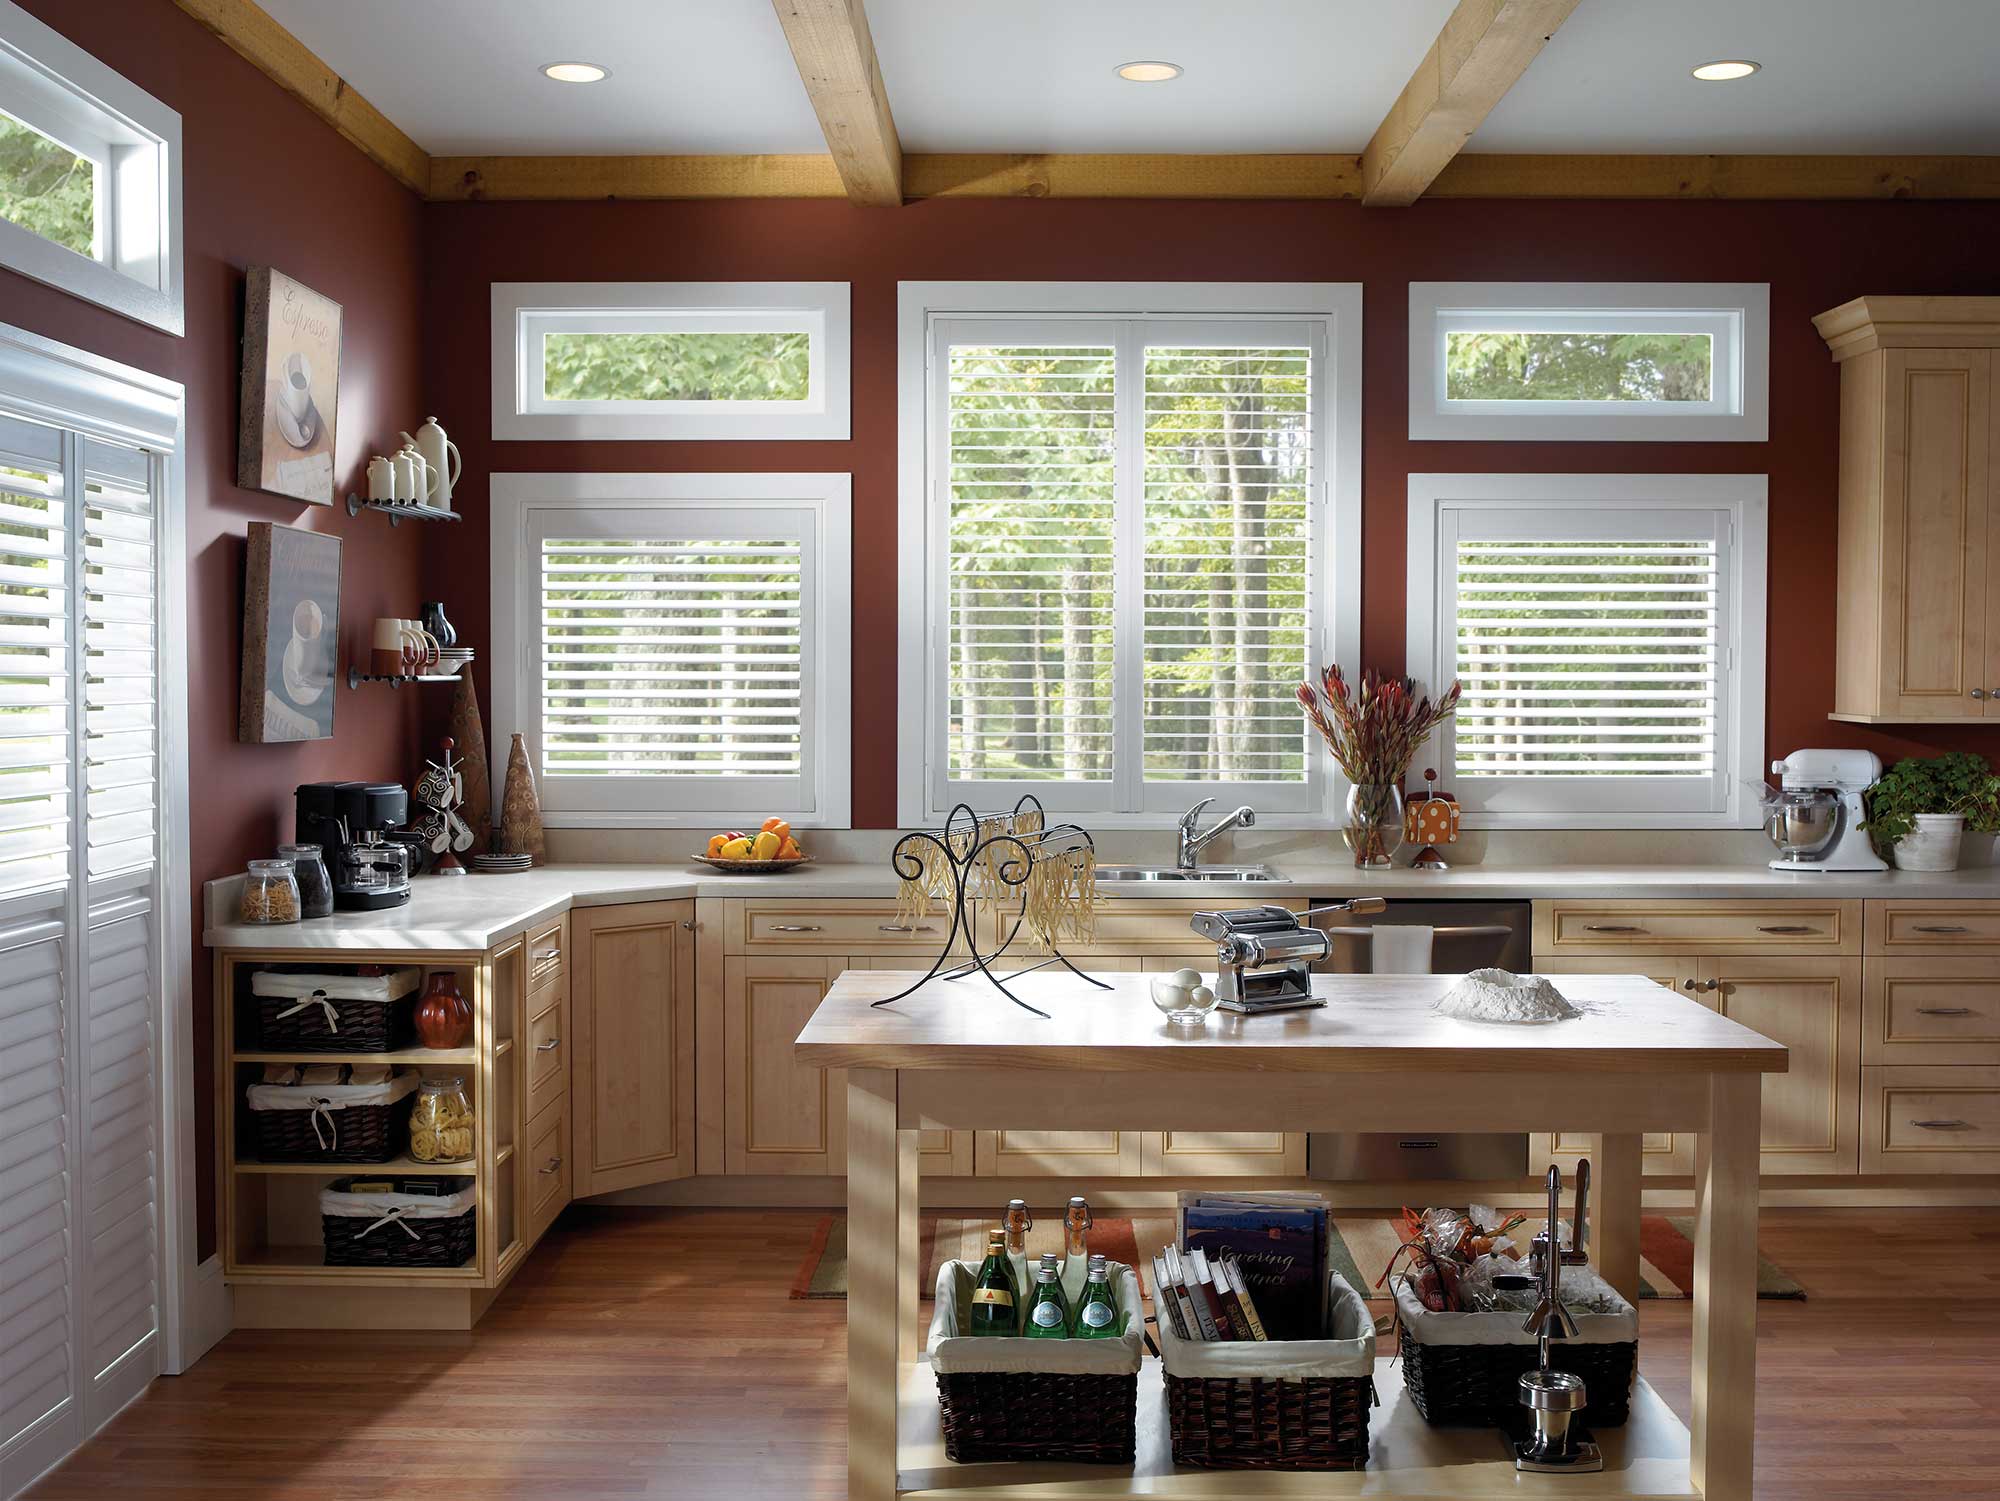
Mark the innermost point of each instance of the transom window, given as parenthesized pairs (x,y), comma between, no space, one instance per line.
(1598,626)
(1127,542)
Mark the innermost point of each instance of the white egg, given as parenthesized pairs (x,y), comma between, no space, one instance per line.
(1187,978)
(1202,996)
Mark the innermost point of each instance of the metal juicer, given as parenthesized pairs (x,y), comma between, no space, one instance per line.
(1264,955)
(1557,1446)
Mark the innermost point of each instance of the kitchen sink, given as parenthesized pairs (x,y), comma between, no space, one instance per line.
(1119,873)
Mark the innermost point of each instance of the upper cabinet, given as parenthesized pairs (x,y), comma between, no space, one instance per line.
(1919,573)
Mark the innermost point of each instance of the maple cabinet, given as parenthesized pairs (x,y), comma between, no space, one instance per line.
(632,974)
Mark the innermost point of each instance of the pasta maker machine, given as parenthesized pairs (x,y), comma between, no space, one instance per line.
(1264,955)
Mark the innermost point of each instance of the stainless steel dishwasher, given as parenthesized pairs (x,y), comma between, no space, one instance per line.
(1465,935)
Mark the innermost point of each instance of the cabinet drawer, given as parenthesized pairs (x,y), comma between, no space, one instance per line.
(1933,927)
(1143,927)
(1930,1119)
(1932,1010)
(547,1059)
(545,958)
(545,1170)
(1600,927)
(767,927)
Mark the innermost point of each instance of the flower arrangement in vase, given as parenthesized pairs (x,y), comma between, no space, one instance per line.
(1374,734)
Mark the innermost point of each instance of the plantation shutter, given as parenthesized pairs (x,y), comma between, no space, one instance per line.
(35,642)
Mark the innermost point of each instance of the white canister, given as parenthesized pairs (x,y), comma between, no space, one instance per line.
(1932,844)
(381,478)
(405,463)
(442,455)
(425,476)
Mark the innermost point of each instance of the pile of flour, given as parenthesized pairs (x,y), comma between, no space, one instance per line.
(1496,995)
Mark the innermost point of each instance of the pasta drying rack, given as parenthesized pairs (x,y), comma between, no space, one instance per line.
(1001,853)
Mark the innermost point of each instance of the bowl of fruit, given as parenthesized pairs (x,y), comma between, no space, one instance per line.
(771,849)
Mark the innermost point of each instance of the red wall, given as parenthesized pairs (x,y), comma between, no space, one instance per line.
(1814,255)
(264,181)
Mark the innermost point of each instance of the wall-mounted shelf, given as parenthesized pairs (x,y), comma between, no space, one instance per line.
(407,1167)
(397,510)
(356,677)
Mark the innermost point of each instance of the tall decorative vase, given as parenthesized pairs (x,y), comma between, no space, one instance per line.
(1374,828)
(520,809)
(470,735)
(444,1015)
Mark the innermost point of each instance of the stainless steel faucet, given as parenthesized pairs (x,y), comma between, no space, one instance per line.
(1188,848)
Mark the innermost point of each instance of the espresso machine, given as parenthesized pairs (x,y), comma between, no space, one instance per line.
(352,823)
(1816,814)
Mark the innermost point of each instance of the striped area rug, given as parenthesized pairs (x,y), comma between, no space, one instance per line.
(1362,1249)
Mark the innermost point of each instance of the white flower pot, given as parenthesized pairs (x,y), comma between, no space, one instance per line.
(1932,844)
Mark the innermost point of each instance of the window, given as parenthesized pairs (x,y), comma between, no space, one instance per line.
(670,360)
(681,644)
(1126,543)
(1665,361)
(90,178)
(1607,631)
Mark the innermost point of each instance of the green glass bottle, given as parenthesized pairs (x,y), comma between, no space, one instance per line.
(1048,1310)
(1097,1313)
(994,1306)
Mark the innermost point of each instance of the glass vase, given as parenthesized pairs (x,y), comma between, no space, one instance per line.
(1374,828)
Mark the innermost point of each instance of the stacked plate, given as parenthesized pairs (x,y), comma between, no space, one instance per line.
(452,658)
(502,865)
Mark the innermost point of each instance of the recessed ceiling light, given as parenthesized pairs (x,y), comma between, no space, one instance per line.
(1727,68)
(575,72)
(1149,72)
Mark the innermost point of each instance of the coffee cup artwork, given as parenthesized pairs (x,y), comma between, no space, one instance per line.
(291,627)
(290,389)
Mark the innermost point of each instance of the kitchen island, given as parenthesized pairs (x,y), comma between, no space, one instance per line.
(1377,1057)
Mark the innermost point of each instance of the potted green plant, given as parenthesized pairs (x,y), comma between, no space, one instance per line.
(1920,810)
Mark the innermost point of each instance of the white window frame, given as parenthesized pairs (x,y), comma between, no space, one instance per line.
(1728,800)
(52,85)
(924,796)
(523,311)
(820,797)
(1736,315)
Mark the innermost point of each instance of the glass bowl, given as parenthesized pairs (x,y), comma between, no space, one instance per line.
(1183,998)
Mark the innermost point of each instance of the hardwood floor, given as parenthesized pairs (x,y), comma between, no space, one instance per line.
(655,1353)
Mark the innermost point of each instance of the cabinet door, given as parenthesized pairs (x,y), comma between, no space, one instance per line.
(1216,1154)
(1664,1153)
(782,1118)
(1812,1006)
(1936,501)
(632,1014)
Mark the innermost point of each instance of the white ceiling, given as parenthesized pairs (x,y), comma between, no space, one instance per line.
(462,77)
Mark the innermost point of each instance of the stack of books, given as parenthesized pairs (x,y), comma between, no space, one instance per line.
(1205,1300)
(1264,1250)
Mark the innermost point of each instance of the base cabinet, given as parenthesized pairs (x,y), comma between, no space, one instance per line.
(632,1013)
(782,1118)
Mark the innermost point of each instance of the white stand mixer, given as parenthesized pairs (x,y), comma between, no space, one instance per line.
(1816,815)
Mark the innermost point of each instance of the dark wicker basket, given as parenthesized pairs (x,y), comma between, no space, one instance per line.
(360,1133)
(365,1026)
(1479,1385)
(437,1242)
(1235,1423)
(1014,1415)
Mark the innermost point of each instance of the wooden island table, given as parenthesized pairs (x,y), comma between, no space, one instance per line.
(1376,1058)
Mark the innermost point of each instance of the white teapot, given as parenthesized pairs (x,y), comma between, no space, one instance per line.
(442,455)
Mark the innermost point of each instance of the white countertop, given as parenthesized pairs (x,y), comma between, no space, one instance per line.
(472,913)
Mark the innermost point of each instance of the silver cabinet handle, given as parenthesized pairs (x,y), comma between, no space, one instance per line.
(1711,985)
(1945,1011)
(553,1164)
(688,923)
(1979,693)
(904,927)
(1785,928)
(550,1046)
(1941,927)
(1942,1125)
(1608,927)
(1701,985)
(796,927)
(539,955)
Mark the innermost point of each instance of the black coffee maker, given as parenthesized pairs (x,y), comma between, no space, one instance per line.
(352,822)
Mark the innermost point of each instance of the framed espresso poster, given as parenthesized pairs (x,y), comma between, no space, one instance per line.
(291,388)
(291,624)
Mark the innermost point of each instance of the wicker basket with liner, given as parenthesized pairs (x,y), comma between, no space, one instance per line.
(1289,1404)
(1074,1400)
(1465,1368)
(400,1229)
(333,1122)
(304,1012)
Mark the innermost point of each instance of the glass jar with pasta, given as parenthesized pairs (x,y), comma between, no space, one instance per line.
(441,1123)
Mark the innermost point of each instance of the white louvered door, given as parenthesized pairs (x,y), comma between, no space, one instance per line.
(79,947)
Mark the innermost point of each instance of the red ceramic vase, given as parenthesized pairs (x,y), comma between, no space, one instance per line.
(444,1015)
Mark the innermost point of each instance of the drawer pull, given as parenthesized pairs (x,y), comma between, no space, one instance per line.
(904,927)
(550,1046)
(1942,1125)
(1941,927)
(1946,1011)
(542,956)
(1610,927)
(1785,928)
(796,927)
(1701,985)
(553,1164)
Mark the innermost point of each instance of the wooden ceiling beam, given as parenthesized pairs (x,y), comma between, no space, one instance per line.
(835,53)
(294,67)
(1484,48)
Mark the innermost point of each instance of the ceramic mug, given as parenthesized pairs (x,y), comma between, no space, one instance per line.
(381,478)
(423,645)
(296,390)
(391,653)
